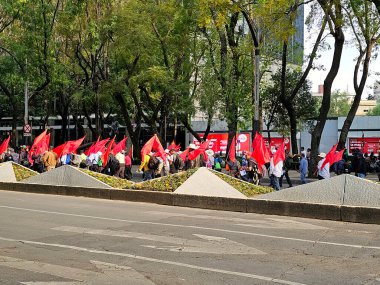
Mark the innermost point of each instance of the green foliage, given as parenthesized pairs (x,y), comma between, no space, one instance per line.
(340,104)
(375,111)
(305,105)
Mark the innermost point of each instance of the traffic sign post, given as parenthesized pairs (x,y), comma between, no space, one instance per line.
(27,130)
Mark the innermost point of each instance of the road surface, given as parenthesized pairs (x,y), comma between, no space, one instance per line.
(69,240)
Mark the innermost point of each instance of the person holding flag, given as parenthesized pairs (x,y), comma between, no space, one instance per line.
(323,168)
(276,166)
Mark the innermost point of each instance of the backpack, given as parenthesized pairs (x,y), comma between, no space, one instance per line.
(177,162)
(114,164)
(153,163)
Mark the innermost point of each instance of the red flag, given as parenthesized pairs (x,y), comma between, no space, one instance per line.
(232,150)
(260,152)
(36,144)
(338,156)
(120,146)
(91,148)
(43,145)
(202,149)
(178,147)
(72,146)
(58,150)
(4,145)
(108,151)
(172,145)
(279,155)
(153,144)
(100,146)
(330,156)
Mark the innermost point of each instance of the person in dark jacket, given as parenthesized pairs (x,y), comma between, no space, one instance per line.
(362,166)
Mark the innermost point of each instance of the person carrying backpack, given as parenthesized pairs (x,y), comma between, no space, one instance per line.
(176,163)
(148,165)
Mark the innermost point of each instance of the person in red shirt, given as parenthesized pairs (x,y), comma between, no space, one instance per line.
(128,167)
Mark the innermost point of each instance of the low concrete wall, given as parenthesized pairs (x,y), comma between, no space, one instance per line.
(295,209)
(268,207)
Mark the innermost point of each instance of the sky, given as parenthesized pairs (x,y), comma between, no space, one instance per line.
(344,79)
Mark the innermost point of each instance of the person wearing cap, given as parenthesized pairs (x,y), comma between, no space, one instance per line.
(323,173)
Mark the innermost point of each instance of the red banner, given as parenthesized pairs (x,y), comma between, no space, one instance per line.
(373,144)
(218,142)
(276,142)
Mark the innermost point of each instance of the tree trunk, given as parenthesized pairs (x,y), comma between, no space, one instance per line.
(358,94)
(325,107)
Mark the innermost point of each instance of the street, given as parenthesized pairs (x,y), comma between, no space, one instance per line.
(69,240)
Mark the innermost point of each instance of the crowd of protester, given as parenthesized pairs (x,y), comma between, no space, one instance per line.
(156,164)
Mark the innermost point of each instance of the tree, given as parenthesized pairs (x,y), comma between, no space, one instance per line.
(365,24)
(333,11)
(303,104)
(340,104)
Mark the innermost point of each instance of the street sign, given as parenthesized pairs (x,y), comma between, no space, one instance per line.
(27,130)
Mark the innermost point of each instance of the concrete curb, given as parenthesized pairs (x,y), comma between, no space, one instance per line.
(269,207)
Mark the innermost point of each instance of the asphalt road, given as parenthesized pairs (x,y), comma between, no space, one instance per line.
(68,240)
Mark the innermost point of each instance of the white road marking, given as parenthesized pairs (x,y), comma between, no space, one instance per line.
(196,227)
(215,245)
(149,259)
(107,273)
(267,223)
(51,283)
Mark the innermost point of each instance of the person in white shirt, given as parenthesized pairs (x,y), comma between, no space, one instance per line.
(120,156)
(323,173)
(275,172)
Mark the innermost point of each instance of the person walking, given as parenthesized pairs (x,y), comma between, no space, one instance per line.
(304,168)
(128,167)
(287,166)
(50,159)
(275,172)
(120,156)
(323,172)
(362,166)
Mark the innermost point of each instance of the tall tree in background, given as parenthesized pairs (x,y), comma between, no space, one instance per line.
(333,11)
(364,21)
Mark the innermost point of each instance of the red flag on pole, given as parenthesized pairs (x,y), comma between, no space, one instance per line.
(91,148)
(279,155)
(260,152)
(44,144)
(153,144)
(330,156)
(100,146)
(202,149)
(232,150)
(172,145)
(338,156)
(72,146)
(108,151)
(59,149)
(4,145)
(35,145)
(120,146)
(178,147)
